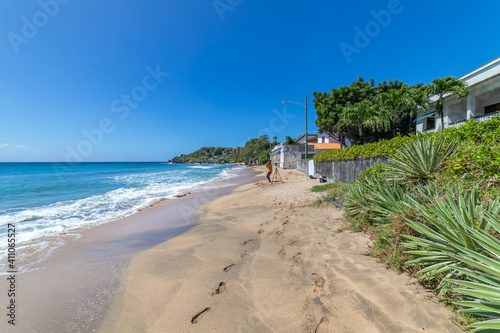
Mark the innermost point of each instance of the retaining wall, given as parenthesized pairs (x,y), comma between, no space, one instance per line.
(341,171)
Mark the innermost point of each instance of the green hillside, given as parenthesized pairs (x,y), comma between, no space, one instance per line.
(209,155)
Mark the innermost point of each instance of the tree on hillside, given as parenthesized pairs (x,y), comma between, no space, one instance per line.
(443,86)
(256,150)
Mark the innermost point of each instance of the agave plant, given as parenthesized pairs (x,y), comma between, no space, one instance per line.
(388,200)
(379,199)
(460,239)
(479,282)
(355,200)
(445,226)
(420,159)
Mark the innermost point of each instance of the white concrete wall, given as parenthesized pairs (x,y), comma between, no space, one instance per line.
(311,167)
(456,111)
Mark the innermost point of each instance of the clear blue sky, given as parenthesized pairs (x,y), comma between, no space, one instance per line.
(68,67)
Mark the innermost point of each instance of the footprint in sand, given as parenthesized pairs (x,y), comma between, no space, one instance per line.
(220,289)
(297,258)
(248,241)
(320,282)
(260,231)
(322,326)
(197,317)
(230,218)
(244,254)
(282,252)
(228,268)
(343,246)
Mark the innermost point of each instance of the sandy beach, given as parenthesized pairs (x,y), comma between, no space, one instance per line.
(261,259)
(71,287)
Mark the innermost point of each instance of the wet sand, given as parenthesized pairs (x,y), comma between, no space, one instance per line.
(72,290)
(263,260)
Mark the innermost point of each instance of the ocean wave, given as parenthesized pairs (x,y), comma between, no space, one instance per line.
(200,167)
(136,192)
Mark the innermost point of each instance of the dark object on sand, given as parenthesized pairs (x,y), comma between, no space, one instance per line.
(322,179)
(311,177)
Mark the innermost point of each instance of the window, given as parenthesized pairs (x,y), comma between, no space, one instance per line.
(431,123)
(492,108)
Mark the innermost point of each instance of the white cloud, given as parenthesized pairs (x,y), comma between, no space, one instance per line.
(22,147)
(6,146)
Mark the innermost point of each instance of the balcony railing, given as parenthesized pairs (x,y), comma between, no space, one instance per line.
(460,123)
(486,117)
(478,118)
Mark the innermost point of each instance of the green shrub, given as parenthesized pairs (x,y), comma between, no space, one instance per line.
(382,148)
(334,191)
(375,171)
(487,133)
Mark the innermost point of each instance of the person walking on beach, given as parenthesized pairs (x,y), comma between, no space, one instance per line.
(269,166)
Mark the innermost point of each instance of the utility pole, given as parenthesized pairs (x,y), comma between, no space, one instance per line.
(306,127)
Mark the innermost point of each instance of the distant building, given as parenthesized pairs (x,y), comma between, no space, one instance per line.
(317,138)
(287,156)
(482,103)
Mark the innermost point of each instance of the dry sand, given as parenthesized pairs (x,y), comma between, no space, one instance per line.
(262,260)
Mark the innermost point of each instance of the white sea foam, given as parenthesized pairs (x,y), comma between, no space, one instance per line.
(140,191)
(200,167)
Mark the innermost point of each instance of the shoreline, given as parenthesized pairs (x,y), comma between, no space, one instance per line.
(37,251)
(72,290)
(263,260)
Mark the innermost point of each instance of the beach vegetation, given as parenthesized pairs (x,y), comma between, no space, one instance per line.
(419,160)
(433,210)
(323,188)
(334,194)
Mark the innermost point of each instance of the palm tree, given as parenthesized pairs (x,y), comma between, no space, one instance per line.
(397,101)
(448,85)
(364,115)
(420,99)
(402,102)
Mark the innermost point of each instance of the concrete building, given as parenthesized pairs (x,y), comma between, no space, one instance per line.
(482,103)
(287,156)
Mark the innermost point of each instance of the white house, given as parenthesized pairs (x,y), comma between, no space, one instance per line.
(482,103)
(287,156)
(317,138)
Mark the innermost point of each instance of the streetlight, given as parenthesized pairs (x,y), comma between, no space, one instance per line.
(284,102)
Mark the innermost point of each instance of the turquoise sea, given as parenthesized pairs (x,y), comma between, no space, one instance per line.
(46,199)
